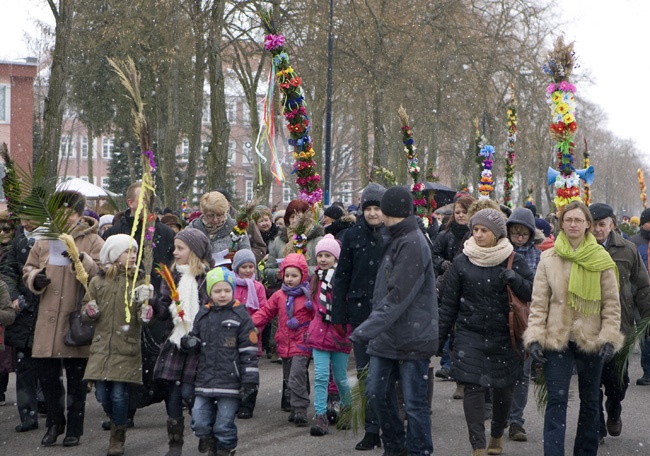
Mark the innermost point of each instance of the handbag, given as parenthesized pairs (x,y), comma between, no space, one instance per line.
(518,315)
(80,333)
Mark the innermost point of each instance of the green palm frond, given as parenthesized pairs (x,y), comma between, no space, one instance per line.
(541,392)
(355,415)
(623,356)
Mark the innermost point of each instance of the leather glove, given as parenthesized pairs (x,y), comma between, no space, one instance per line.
(146,313)
(606,352)
(247,392)
(92,310)
(508,276)
(143,293)
(536,352)
(41,280)
(190,344)
(292,323)
(67,255)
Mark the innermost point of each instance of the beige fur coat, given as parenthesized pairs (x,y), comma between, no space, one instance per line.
(552,323)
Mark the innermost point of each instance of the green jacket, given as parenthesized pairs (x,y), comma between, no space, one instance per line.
(115,351)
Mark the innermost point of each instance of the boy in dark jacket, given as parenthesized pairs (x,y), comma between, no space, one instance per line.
(402,329)
(224,335)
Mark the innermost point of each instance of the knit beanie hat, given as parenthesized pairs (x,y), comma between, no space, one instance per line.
(278,214)
(295,260)
(105,220)
(634,220)
(219,274)
(397,202)
(329,244)
(197,241)
(645,217)
(242,256)
(334,212)
(543,225)
(115,246)
(294,206)
(214,202)
(371,195)
(492,220)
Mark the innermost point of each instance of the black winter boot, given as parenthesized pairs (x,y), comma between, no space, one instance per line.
(175,429)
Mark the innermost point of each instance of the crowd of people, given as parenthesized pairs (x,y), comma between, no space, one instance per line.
(372,280)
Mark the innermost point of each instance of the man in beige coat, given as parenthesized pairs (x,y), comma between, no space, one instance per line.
(47,274)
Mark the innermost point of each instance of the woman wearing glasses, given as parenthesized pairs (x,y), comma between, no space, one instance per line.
(575,318)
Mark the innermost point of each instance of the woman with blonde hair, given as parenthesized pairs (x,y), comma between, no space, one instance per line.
(575,319)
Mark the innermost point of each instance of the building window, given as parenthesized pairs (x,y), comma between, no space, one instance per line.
(107,148)
(248,153)
(232,149)
(66,150)
(5,103)
(286,193)
(346,193)
(231,111)
(246,115)
(249,190)
(84,147)
(185,150)
(104,182)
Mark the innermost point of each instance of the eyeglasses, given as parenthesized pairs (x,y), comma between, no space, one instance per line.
(214,216)
(6,229)
(571,221)
(524,235)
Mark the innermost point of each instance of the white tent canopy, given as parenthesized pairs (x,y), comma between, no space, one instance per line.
(85,188)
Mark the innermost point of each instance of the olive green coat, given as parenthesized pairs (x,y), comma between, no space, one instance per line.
(115,352)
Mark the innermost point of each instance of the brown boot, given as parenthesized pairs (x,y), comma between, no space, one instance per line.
(118,437)
(175,429)
(495,446)
(479,452)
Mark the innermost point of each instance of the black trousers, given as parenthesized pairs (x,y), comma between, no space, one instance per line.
(74,396)
(26,385)
(474,407)
(615,390)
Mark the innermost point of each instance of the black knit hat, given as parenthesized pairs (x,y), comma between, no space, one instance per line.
(397,202)
(645,217)
(334,212)
(371,195)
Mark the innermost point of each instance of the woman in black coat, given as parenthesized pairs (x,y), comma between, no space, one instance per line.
(475,301)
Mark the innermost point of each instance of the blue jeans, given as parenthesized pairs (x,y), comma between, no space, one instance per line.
(114,397)
(445,359)
(520,393)
(383,374)
(363,359)
(339,363)
(215,416)
(557,372)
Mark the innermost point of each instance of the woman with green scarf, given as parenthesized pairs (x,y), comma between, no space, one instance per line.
(575,318)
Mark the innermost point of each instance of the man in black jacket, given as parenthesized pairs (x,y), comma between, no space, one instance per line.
(402,330)
(354,282)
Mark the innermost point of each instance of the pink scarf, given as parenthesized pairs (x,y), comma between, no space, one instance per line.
(251,300)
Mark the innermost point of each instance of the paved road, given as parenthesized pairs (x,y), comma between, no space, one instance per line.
(269,433)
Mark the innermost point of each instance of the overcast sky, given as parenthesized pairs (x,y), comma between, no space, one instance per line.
(611,39)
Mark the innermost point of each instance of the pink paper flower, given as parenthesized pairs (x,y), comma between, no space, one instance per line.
(273,42)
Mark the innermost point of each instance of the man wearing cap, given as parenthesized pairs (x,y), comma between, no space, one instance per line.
(634,294)
(402,329)
(354,283)
(642,242)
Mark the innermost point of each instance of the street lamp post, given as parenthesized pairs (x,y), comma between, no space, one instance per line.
(328,111)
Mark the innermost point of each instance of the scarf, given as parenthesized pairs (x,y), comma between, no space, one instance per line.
(325,278)
(188,294)
(587,263)
(251,298)
(291,293)
(486,257)
(211,230)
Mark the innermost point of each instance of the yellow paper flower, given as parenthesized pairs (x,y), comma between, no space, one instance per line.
(562,108)
(568,118)
(556,97)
